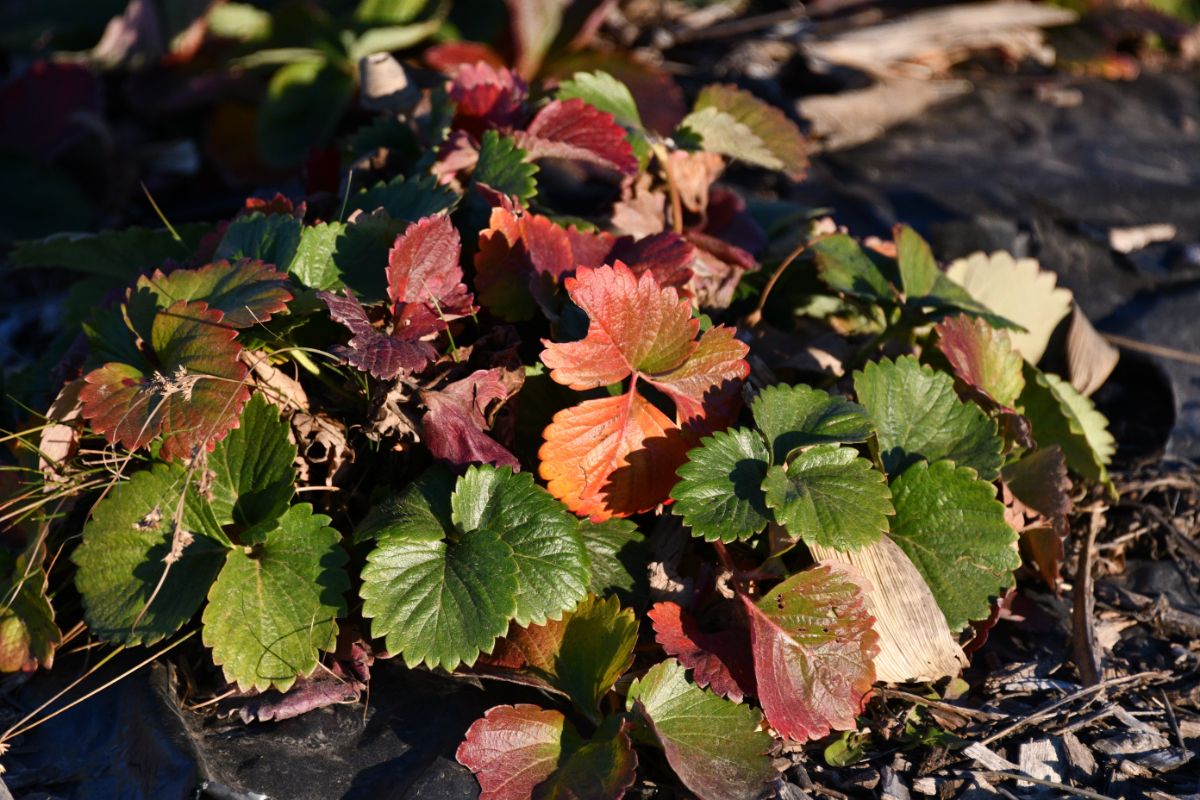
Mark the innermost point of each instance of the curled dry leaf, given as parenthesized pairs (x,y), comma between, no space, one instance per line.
(1090,358)
(915,643)
(60,438)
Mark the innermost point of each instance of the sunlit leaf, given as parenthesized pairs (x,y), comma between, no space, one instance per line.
(952,527)
(712,744)
(918,416)
(1062,416)
(572,129)
(798,416)
(735,123)
(813,650)
(720,495)
(274,607)
(246,292)
(982,358)
(720,661)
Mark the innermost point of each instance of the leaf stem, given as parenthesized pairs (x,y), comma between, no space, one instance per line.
(755,316)
(664,158)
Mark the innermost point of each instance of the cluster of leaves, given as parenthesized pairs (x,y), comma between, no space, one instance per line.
(373,352)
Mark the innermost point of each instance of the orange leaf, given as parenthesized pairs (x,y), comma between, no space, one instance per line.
(614,456)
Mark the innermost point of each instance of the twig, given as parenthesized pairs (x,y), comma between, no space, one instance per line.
(941,705)
(755,316)
(1020,776)
(1083,638)
(1171,721)
(1153,349)
(1050,708)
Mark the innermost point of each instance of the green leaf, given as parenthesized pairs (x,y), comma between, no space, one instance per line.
(918,416)
(551,562)
(393,37)
(304,104)
(619,555)
(121,558)
(408,199)
(720,494)
(713,745)
(735,123)
(1060,415)
(273,238)
(451,570)
(830,496)
(797,416)
(253,468)
(584,653)
(502,166)
(113,254)
(313,263)
(951,526)
(362,248)
(982,357)
(247,293)
(844,267)
(275,605)
(606,93)
(918,268)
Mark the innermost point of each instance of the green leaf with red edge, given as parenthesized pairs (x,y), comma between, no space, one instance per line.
(982,357)
(247,292)
(191,394)
(616,456)
(732,122)
(582,654)
(574,130)
(813,650)
(521,752)
(714,745)
(720,661)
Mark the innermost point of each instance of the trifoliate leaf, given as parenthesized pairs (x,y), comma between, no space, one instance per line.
(407,199)
(797,416)
(502,167)
(1018,290)
(274,607)
(829,495)
(270,238)
(551,562)
(572,129)
(246,292)
(125,550)
(720,661)
(313,264)
(918,416)
(1062,416)
(584,653)
(951,526)
(616,456)
(191,393)
(712,744)
(844,267)
(813,650)
(452,569)
(253,468)
(28,633)
(606,93)
(522,752)
(982,357)
(735,123)
(619,554)
(720,494)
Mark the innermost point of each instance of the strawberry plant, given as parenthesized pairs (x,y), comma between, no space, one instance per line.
(466,417)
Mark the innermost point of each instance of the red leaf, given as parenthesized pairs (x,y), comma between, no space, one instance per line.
(720,661)
(279,204)
(522,752)
(191,395)
(572,129)
(668,256)
(487,97)
(813,651)
(458,153)
(617,455)
(371,350)
(514,748)
(455,423)
(448,56)
(983,359)
(423,268)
